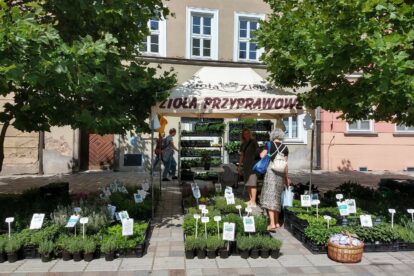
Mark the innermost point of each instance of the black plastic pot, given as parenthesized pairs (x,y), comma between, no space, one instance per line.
(275,253)
(254,253)
(88,257)
(201,253)
(244,253)
(189,254)
(110,256)
(224,253)
(46,257)
(211,254)
(207,166)
(30,252)
(12,257)
(3,257)
(77,256)
(264,253)
(66,256)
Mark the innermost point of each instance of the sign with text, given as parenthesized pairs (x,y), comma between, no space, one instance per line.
(351,206)
(229,228)
(249,225)
(73,220)
(305,201)
(138,198)
(230,199)
(123,215)
(37,221)
(127,227)
(366,220)
(343,208)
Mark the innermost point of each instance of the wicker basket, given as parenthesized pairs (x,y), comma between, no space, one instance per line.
(345,253)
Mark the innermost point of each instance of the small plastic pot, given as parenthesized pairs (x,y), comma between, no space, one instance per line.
(12,257)
(211,254)
(3,257)
(201,253)
(66,256)
(244,253)
(110,256)
(275,253)
(254,253)
(77,256)
(189,254)
(88,257)
(265,253)
(46,257)
(224,253)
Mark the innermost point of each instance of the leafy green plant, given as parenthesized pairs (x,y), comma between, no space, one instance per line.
(214,243)
(261,224)
(378,233)
(312,219)
(273,244)
(3,242)
(190,243)
(109,245)
(138,236)
(73,245)
(200,243)
(89,246)
(233,218)
(221,204)
(320,234)
(46,247)
(244,243)
(232,147)
(12,245)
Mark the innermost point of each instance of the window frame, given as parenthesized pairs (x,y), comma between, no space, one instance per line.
(162,39)
(214,14)
(403,131)
(236,39)
(370,130)
(302,133)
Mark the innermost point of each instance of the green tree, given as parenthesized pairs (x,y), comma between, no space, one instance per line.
(320,42)
(76,63)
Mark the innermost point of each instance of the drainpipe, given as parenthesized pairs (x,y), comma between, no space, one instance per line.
(40,151)
(318,139)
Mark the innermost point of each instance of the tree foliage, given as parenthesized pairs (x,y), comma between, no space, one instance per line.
(321,42)
(76,63)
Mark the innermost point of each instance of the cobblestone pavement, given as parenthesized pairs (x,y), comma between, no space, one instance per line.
(166,252)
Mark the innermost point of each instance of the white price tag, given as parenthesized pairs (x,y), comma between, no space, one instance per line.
(202,206)
(84,220)
(196,192)
(305,201)
(37,221)
(339,196)
(138,198)
(343,208)
(123,215)
(9,220)
(127,227)
(218,187)
(230,199)
(392,211)
(229,230)
(238,207)
(204,211)
(315,202)
(351,206)
(196,216)
(410,211)
(205,219)
(248,210)
(249,225)
(228,190)
(217,218)
(366,220)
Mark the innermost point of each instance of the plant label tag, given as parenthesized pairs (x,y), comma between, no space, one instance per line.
(339,197)
(328,218)
(205,219)
(204,211)
(314,197)
(9,220)
(202,206)
(145,186)
(238,207)
(228,190)
(127,227)
(305,201)
(248,210)
(366,220)
(229,228)
(218,187)
(123,215)
(217,218)
(196,216)
(410,211)
(249,225)
(196,192)
(315,202)
(111,210)
(343,208)
(351,205)
(73,220)
(392,211)
(84,220)
(138,198)
(230,199)
(37,221)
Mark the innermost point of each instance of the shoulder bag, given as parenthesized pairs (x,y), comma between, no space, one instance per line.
(261,166)
(279,163)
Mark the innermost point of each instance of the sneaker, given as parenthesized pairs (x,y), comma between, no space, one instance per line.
(165,179)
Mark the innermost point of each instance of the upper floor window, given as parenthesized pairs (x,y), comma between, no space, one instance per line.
(245,47)
(155,44)
(202,33)
(294,130)
(404,128)
(361,126)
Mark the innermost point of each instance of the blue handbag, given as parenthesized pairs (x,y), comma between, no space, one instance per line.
(262,164)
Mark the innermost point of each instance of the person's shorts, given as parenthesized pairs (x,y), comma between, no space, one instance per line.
(252,180)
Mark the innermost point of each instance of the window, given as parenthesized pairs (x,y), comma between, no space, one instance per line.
(404,128)
(295,131)
(202,33)
(155,43)
(360,126)
(245,47)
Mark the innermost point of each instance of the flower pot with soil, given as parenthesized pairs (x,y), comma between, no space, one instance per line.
(223,252)
(74,247)
(244,244)
(212,245)
(275,245)
(206,159)
(3,255)
(190,246)
(109,246)
(89,248)
(46,249)
(200,248)
(12,248)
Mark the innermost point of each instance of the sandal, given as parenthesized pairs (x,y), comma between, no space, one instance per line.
(271,229)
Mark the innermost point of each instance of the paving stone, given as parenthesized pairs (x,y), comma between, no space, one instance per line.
(163,272)
(177,272)
(168,263)
(310,270)
(210,271)
(381,258)
(136,264)
(200,263)
(36,265)
(102,265)
(194,272)
(291,261)
(321,260)
(269,262)
(232,262)
(69,266)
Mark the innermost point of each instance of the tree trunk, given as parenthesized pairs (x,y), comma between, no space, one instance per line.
(2,138)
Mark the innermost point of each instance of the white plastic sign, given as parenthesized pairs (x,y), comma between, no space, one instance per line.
(37,221)
(392,212)
(196,192)
(305,201)
(230,199)
(145,186)
(127,227)
(248,210)
(204,211)
(9,220)
(218,187)
(343,208)
(205,219)
(217,218)
(138,198)
(228,190)
(315,202)
(73,220)
(366,220)
(411,212)
(339,196)
(77,210)
(196,216)
(249,225)
(84,220)
(328,219)
(351,206)
(123,215)
(202,206)
(229,228)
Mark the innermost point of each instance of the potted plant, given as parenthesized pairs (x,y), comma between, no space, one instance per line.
(255,242)
(274,245)
(190,246)
(200,245)
(89,248)
(12,248)
(224,251)
(74,247)
(46,249)
(63,245)
(244,245)
(108,247)
(265,247)
(206,159)
(212,245)
(3,256)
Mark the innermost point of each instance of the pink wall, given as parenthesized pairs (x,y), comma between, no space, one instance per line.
(384,150)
